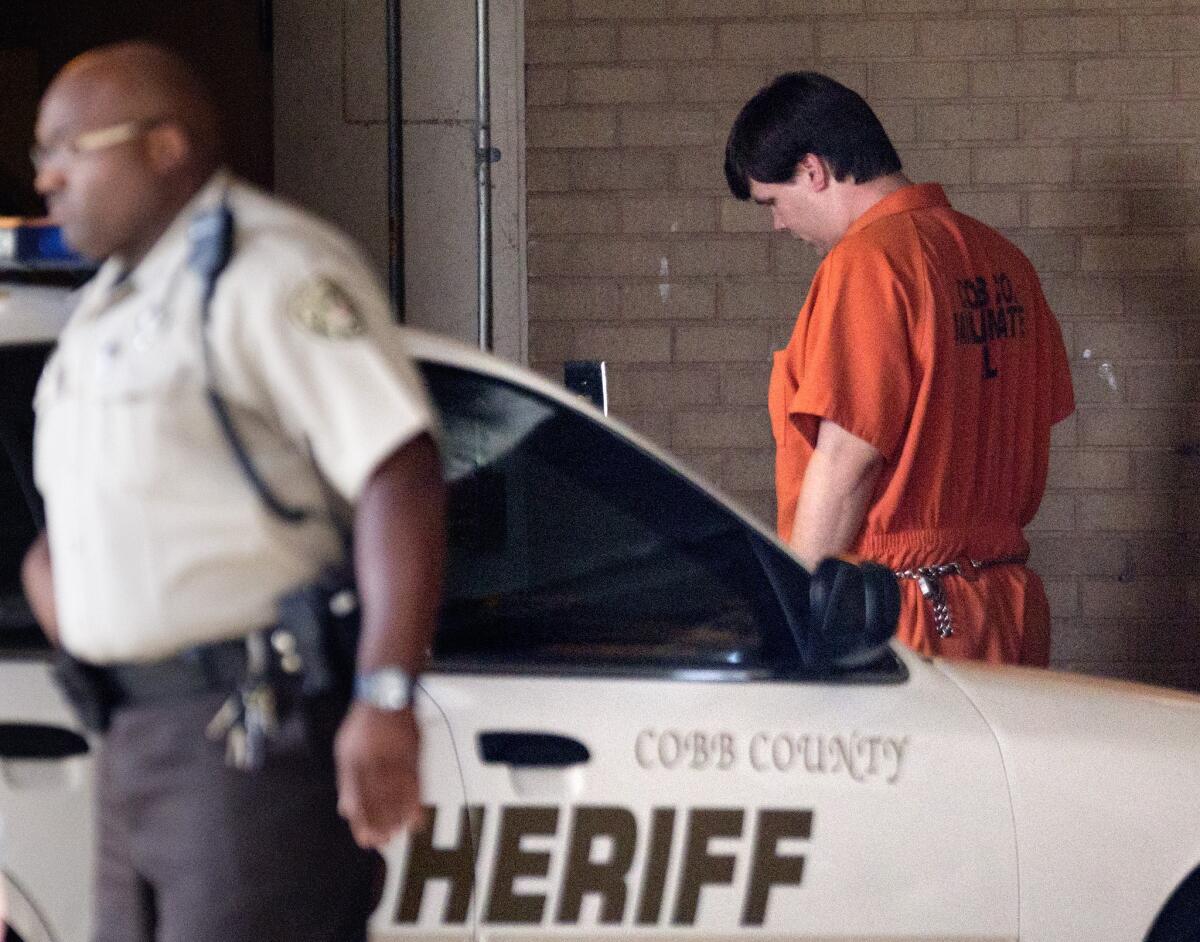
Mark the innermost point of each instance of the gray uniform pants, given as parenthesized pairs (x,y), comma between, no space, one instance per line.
(190,850)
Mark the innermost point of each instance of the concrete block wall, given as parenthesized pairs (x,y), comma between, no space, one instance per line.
(330,85)
(1072,125)
(331,145)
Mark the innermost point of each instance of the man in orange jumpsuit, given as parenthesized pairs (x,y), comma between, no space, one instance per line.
(912,407)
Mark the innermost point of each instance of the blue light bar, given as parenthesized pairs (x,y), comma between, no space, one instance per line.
(35,244)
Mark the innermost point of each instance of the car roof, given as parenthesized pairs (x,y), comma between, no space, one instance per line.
(33,313)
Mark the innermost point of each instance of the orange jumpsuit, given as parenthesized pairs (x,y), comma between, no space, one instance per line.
(925,333)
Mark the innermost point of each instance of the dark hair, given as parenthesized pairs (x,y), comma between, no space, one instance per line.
(806,113)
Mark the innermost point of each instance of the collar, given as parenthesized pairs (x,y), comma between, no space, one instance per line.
(171,248)
(903,200)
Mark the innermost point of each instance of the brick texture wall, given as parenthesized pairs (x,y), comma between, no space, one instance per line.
(1071,125)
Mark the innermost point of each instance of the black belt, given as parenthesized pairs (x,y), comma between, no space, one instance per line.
(309,653)
(95,691)
(208,668)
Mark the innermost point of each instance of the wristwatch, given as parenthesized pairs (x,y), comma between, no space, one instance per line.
(388,688)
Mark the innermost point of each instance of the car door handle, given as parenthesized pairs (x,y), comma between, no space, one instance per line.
(506,747)
(39,741)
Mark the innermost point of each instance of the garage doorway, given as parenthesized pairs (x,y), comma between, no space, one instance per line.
(227,41)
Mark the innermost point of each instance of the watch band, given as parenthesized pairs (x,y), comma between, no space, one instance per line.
(388,688)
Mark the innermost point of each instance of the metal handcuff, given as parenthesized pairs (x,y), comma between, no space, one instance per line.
(929,581)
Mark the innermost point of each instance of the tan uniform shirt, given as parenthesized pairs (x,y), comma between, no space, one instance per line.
(158,542)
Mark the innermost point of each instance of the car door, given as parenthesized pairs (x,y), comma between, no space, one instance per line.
(442,794)
(643,750)
(45,804)
(45,759)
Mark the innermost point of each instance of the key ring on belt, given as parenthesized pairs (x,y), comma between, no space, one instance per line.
(929,581)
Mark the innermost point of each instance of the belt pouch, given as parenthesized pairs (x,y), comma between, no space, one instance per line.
(318,624)
(86,689)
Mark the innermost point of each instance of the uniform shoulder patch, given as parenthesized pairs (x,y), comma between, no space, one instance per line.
(323,307)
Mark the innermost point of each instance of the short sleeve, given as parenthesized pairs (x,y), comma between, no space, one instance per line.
(856,365)
(324,353)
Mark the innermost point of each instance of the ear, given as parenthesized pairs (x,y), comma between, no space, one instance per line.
(167,147)
(814,172)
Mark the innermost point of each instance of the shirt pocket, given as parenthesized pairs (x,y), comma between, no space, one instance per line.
(134,420)
(51,436)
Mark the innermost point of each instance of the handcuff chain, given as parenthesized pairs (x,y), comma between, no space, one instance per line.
(929,581)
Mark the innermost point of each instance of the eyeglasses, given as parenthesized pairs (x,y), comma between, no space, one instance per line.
(90,141)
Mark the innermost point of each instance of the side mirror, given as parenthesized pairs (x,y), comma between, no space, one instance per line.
(853,611)
(841,616)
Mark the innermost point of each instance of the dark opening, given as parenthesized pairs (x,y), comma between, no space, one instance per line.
(228,41)
(20,366)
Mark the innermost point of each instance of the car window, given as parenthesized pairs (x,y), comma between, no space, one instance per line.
(20,366)
(571,546)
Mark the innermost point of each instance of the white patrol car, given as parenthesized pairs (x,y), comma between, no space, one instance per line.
(633,726)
